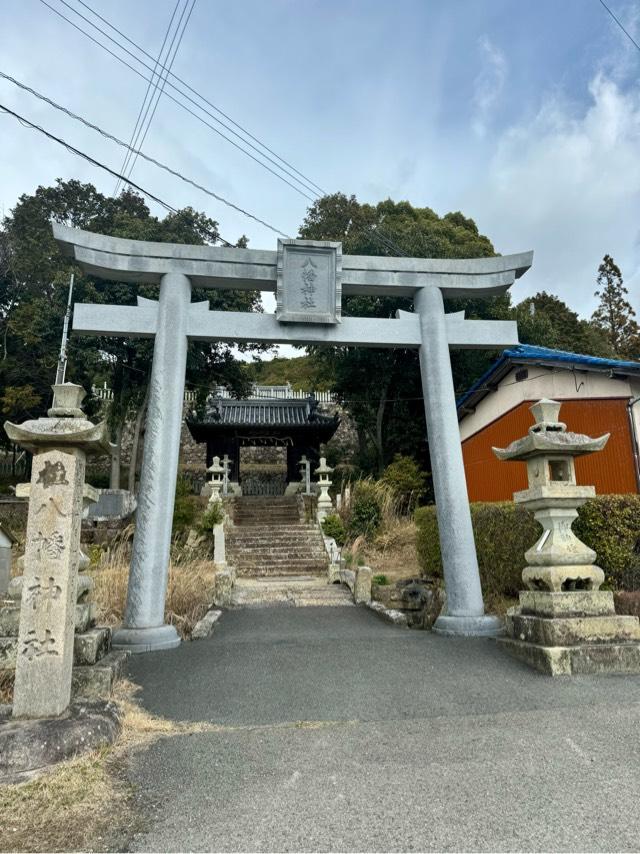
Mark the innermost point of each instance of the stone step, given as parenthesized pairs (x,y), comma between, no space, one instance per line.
(294,591)
(97,680)
(300,546)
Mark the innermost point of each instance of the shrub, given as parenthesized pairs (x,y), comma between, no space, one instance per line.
(407,480)
(213,515)
(365,513)
(610,525)
(184,508)
(503,531)
(333,526)
(381,580)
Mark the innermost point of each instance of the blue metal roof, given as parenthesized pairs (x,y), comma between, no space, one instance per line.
(529,353)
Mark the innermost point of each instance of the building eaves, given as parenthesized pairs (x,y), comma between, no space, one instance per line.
(544,357)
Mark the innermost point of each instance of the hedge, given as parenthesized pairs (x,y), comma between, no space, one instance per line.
(609,524)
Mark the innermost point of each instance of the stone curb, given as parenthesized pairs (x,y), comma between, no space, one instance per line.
(389,614)
(204,627)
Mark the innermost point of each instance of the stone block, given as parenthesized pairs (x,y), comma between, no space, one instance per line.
(577,603)
(569,631)
(97,680)
(585,659)
(223,587)
(389,614)
(562,578)
(91,646)
(204,627)
(362,587)
(29,747)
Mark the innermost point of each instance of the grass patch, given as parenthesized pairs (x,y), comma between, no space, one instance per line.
(189,593)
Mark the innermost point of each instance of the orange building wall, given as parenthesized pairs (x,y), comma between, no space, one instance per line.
(610,470)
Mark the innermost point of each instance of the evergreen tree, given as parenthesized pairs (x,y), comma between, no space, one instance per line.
(614,314)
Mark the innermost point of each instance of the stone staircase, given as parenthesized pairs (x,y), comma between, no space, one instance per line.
(270,537)
(297,591)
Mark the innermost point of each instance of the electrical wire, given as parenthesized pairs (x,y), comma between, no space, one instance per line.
(139,119)
(164,80)
(123,144)
(311,183)
(181,103)
(26,123)
(619,23)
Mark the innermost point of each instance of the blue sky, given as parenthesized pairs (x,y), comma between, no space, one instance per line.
(524,115)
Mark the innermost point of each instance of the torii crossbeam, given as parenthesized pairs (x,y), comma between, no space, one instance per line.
(309,278)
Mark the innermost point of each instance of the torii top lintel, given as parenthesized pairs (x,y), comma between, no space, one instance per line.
(255,269)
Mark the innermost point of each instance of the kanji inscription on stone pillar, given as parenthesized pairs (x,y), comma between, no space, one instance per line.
(52,553)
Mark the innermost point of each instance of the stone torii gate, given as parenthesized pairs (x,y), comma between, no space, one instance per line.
(309,278)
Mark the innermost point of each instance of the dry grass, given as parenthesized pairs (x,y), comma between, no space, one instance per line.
(6,686)
(189,593)
(85,804)
(393,552)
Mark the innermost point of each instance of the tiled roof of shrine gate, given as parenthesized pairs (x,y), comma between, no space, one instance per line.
(224,414)
(528,354)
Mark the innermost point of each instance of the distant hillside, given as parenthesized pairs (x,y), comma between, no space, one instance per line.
(299,371)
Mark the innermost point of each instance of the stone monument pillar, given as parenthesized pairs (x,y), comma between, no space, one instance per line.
(60,444)
(565,624)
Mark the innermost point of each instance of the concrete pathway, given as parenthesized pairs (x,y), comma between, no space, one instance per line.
(344,733)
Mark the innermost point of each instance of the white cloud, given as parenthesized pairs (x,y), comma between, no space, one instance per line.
(489,84)
(567,184)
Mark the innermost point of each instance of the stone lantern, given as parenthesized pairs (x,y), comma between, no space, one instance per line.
(565,623)
(325,505)
(217,472)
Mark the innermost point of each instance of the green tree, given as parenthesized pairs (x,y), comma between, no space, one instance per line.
(547,321)
(614,315)
(34,278)
(381,388)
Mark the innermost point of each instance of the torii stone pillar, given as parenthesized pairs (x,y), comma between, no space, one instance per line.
(465,609)
(144,628)
(309,278)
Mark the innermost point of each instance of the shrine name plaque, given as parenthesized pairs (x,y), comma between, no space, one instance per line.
(309,281)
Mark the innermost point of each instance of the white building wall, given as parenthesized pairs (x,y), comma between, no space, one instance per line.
(547,382)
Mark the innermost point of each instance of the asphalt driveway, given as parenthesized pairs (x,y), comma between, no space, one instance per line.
(341,732)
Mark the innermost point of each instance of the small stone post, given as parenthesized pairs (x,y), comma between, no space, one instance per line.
(226,463)
(325,505)
(305,474)
(60,444)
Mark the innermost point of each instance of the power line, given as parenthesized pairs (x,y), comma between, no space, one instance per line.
(619,23)
(134,133)
(181,103)
(311,183)
(123,144)
(26,123)
(164,79)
